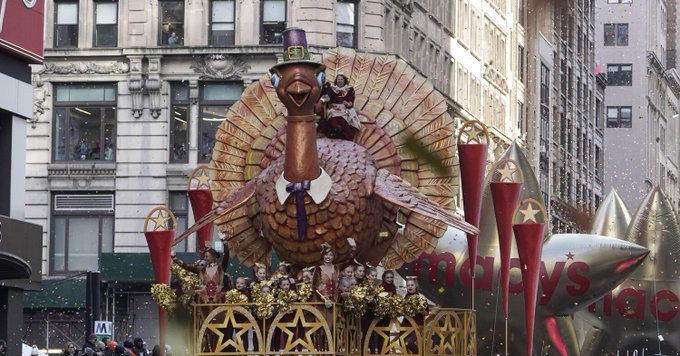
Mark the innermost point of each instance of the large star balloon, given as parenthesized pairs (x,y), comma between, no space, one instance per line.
(575,271)
(642,313)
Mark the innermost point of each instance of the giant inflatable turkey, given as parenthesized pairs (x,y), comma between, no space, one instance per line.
(276,185)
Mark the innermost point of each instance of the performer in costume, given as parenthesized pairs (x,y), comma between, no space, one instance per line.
(259,274)
(388,282)
(328,276)
(211,273)
(411,290)
(359,272)
(341,120)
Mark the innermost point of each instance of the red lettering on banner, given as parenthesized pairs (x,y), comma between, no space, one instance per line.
(583,283)
(550,284)
(434,260)
(630,303)
(484,280)
(671,311)
(515,287)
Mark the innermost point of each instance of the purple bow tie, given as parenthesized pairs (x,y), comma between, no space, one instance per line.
(299,189)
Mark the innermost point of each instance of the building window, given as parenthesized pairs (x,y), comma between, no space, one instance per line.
(179,123)
(619,117)
(106,24)
(66,25)
(521,125)
(85,122)
(520,12)
(82,228)
(216,98)
(620,74)
(222,23)
(520,63)
(619,1)
(616,34)
(273,21)
(179,205)
(172,23)
(346,24)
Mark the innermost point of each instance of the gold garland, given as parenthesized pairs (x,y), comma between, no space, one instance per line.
(388,305)
(414,304)
(164,296)
(235,297)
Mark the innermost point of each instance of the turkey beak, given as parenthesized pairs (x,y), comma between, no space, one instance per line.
(298,92)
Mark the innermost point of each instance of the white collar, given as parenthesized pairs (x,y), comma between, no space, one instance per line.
(319,188)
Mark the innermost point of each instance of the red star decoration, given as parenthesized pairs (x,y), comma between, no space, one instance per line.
(570,256)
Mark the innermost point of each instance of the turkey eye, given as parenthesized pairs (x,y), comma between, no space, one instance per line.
(321,78)
(275,80)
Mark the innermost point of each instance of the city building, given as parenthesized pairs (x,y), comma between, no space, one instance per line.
(636,46)
(565,110)
(21,42)
(131,93)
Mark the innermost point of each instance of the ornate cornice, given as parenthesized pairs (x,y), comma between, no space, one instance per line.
(496,78)
(81,171)
(40,104)
(85,68)
(219,66)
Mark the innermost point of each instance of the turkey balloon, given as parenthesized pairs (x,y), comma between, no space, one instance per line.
(276,185)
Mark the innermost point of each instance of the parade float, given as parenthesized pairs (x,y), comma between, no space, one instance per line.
(362,195)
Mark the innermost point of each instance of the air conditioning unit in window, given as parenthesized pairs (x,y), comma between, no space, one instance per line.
(83,202)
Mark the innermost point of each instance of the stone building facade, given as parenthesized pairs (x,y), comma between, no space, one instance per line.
(565,112)
(131,92)
(636,45)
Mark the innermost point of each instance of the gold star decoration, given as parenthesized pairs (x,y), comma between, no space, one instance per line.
(199,178)
(529,213)
(395,341)
(310,327)
(473,131)
(506,172)
(160,221)
(447,332)
(227,325)
(203,180)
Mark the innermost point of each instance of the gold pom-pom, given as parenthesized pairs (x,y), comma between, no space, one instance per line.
(388,305)
(414,304)
(284,298)
(371,290)
(265,306)
(235,297)
(304,292)
(355,302)
(189,283)
(164,296)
